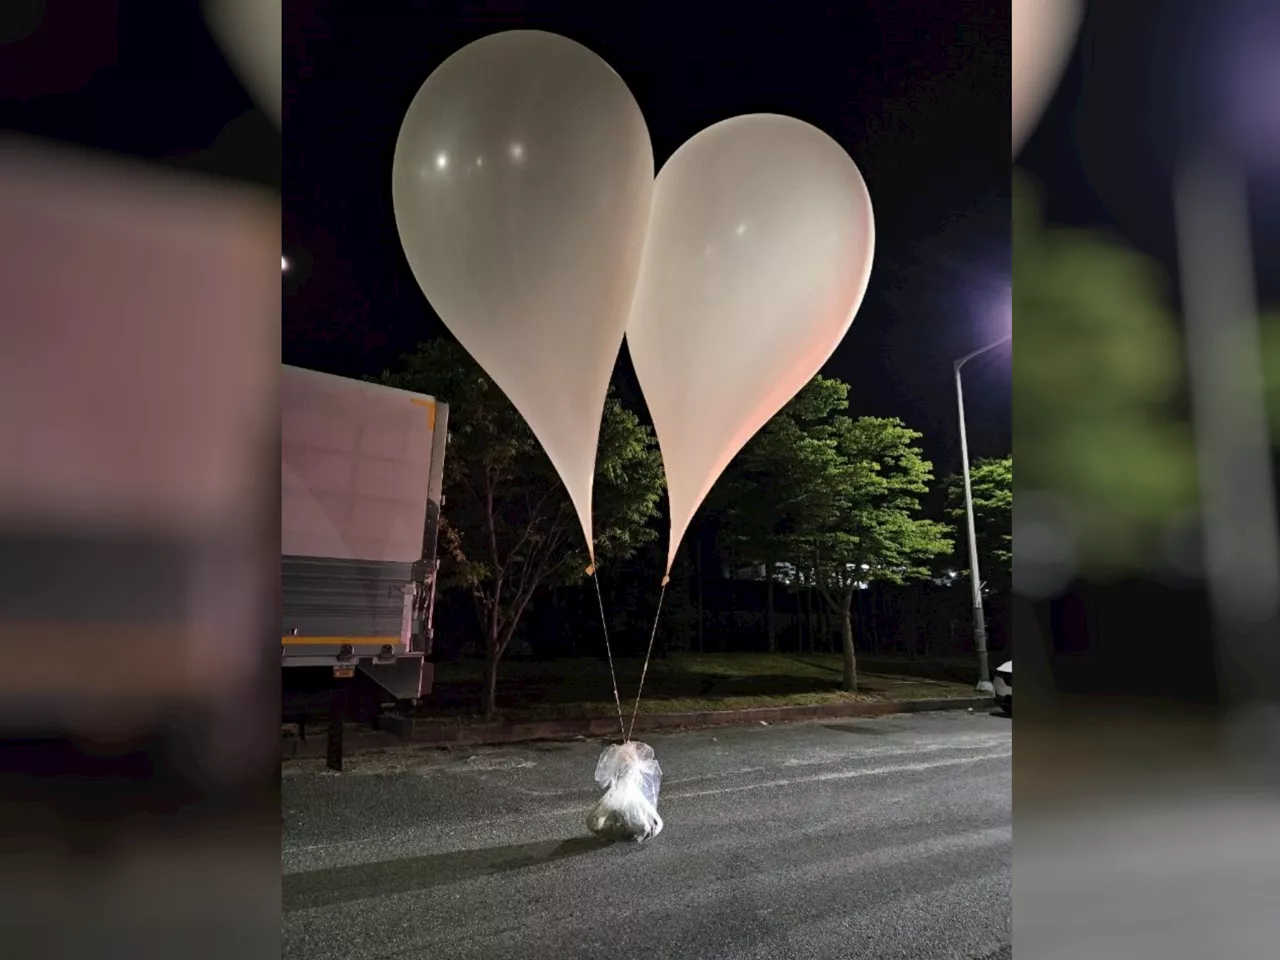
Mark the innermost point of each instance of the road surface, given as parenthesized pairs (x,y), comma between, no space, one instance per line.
(867,838)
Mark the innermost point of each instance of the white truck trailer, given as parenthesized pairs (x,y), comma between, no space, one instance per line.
(361,474)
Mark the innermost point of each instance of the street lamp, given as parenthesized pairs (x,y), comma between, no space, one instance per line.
(1218,277)
(979,621)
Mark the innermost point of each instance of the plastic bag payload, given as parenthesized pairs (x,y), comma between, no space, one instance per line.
(630,776)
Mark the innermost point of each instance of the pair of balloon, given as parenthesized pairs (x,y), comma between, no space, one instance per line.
(526,202)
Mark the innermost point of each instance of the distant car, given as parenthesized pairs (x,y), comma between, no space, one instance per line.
(1003,684)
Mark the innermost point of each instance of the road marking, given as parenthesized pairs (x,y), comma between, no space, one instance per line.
(846,775)
(711,776)
(826,756)
(496,763)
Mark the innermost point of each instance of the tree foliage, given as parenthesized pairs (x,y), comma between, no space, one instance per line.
(1098,382)
(991,481)
(876,532)
(835,498)
(508,527)
(777,486)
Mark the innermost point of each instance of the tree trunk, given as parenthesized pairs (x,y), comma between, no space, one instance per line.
(846,636)
(496,644)
(805,617)
(489,695)
(770,623)
(815,621)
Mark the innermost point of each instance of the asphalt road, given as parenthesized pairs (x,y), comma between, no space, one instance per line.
(885,837)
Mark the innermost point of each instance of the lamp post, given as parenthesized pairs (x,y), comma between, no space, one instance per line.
(979,621)
(1236,138)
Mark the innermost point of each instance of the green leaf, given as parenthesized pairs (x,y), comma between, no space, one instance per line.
(991,482)
(837,498)
(1099,384)
(510,527)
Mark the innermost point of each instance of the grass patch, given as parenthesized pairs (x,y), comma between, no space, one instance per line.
(684,683)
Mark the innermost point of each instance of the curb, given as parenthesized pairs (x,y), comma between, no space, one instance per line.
(399,729)
(317,745)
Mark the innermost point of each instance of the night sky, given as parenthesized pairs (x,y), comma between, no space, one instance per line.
(1142,82)
(918,93)
(143,79)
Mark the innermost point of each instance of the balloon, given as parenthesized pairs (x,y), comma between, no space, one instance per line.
(249,35)
(521,185)
(1043,32)
(757,257)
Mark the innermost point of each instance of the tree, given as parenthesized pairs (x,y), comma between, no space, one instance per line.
(838,499)
(508,526)
(776,486)
(991,481)
(872,530)
(1099,382)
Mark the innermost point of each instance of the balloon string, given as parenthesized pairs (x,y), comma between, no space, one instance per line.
(604,626)
(653,633)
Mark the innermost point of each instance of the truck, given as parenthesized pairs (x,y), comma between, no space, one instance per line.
(361,491)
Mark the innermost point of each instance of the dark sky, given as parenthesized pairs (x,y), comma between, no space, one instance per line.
(1141,83)
(917,92)
(142,78)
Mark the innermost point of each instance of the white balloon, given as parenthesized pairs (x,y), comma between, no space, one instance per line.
(249,32)
(1043,34)
(521,185)
(758,255)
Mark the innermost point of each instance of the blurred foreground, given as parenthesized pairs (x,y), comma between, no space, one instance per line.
(138,704)
(1146,545)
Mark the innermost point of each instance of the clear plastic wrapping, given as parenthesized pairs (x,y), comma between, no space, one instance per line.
(630,776)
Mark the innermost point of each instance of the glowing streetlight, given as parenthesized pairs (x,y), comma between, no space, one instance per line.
(979,619)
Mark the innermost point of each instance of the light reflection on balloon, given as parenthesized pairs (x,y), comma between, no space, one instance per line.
(531,263)
(757,257)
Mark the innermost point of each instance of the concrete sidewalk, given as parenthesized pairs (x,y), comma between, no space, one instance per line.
(395,730)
